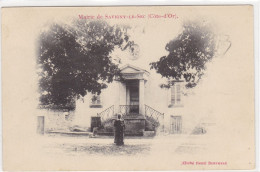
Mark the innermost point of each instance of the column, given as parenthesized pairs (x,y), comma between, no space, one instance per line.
(127,96)
(141,97)
(122,93)
(116,108)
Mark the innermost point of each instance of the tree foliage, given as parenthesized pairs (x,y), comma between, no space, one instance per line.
(75,59)
(188,54)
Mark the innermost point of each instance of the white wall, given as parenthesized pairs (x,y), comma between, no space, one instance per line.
(55,120)
(115,94)
(109,97)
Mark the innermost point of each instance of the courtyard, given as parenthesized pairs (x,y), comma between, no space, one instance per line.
(134,145)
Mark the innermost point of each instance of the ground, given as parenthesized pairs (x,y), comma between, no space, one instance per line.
(164,151)
(103,145)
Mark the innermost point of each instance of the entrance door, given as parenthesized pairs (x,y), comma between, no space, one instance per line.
(133,87)
(176,124)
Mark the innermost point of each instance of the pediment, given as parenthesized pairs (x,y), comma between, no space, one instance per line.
(131,72)
(131,69)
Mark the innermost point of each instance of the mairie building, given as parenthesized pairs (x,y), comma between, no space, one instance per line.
(144,105)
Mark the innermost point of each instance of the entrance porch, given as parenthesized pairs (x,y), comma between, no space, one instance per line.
(131,105)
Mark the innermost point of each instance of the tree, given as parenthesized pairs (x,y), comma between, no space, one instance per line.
(188,54)
(75,59)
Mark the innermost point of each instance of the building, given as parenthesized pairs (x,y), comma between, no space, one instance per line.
(139,97)
(145,106)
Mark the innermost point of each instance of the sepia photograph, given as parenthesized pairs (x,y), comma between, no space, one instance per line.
(128,88)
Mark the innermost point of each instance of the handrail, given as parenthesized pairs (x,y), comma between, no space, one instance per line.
(107,113)
(151,113)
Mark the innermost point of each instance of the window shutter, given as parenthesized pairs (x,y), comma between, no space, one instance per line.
(178,92)
(175,94)
(98,100)
(173,98)
(169,96)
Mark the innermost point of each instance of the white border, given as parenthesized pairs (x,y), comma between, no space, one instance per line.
(20,3)
(59,3)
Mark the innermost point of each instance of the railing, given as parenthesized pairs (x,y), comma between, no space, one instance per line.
(107,113)
(154,118)
(153,115)
(128,109)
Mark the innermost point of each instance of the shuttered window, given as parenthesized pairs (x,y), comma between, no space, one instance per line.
(95,101)
(178,93)
(175,99)
(173,95)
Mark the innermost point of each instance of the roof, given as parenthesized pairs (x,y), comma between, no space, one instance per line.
(132,69)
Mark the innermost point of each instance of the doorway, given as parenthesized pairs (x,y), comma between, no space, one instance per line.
(132,88)
(176,125)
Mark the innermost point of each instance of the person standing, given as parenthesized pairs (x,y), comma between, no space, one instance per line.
(119,130)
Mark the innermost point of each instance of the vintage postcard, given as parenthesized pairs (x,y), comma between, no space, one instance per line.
(128,88)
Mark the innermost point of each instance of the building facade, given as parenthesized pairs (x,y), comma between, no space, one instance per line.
(140,94)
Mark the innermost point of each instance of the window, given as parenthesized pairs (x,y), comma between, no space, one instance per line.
(95,101)
(175,95)
(176,125)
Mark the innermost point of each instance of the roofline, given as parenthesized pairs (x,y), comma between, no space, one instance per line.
(132,66)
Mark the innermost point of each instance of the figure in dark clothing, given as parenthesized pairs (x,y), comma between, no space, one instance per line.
(119,130)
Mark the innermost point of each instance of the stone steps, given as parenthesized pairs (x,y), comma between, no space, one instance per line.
(135,125)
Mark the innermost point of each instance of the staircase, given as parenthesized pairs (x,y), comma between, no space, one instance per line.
(136,124)
(154,119)
(107,118)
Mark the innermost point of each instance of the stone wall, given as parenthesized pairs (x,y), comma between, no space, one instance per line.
(56,120)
